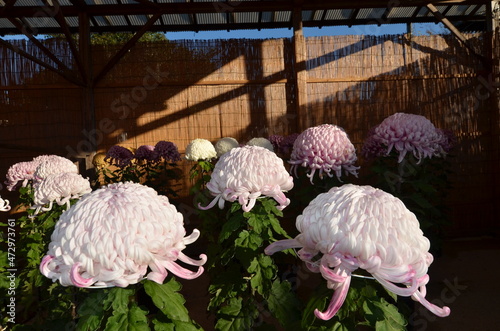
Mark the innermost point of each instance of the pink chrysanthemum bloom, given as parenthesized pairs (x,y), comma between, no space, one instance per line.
(59,188)
(405,133)
(200,149)
(111,236)
(20,172)
(352,227)
(245,173)
(4,205)
(53,164)
(326,148)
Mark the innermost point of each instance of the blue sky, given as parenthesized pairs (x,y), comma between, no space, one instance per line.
(308,32)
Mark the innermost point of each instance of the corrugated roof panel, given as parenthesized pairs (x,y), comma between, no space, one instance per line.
(267,16)
(370,13)
(401,12)
(138,19)
(41,22)
(117,20)
(283,16)
(168,1)
(101,21)
(338,14)
(177,19)
(307,15)
(29,3)
(72,21)
(5,23)
(481,10)
(318,15)
(211,18)
(457,10)
(252,17)
(105,2)
(423,12)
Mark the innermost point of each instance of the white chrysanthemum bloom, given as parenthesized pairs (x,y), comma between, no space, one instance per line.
(111,236)
(224,145)
(4,204)
(20,172)
(352,227)
(262,142)
(200,149)
(59,188)
(53,164)
(246,173)
(326,148)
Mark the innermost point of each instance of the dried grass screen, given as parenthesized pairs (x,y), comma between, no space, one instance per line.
(182,90)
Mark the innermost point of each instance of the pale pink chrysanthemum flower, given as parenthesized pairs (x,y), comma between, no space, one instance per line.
(4,204)
(59,188)
(53,164)
(351,227)
(405,133)
(21,172)
(326,148)
(111,236)
(246,173)
(224,145)
(200,149)
(262,142)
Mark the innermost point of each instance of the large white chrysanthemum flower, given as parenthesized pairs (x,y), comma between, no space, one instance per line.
(224,145)
(53,164)
(200,149)
(405,133)
(262,142)
(59,188)
(20,172)
(245,173)
(326,148)
(352,227)
(111,236)
(4,204)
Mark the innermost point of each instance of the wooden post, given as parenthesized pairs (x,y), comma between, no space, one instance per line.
(88,105)
(300,73)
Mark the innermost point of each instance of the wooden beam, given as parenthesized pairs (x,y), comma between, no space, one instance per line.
(456,33)
(114,60)
(40,62)
(300,72)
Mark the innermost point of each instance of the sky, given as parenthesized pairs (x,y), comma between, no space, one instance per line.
(418,29)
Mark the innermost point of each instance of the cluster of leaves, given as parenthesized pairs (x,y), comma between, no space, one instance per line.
(368,305)
(144,306)
(158,175)
(38,301)
(246,292)
(422,186)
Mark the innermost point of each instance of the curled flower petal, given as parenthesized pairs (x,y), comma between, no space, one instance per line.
(355,227)
(4,204)
(111,236)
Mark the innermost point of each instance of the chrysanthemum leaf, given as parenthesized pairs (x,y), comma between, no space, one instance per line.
(134,319)
(284,305)
(167,299)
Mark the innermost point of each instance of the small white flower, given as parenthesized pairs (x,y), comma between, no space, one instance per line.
(224,145)
(200,149)
(262,142)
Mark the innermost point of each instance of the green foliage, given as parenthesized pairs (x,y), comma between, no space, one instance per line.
(367,305)
(116,38)
(246,291)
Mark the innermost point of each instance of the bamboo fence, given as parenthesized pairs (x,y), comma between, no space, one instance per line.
(182,90)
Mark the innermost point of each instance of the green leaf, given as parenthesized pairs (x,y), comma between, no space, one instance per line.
(249,240)
(284,305)
(118,298)
(233,317)
(230,227)
(133,319)
(168,299)
(262,270)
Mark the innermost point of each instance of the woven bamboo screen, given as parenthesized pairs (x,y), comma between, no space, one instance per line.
(179,91)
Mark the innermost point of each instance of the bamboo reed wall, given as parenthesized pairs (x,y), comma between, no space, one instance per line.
(179,91)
